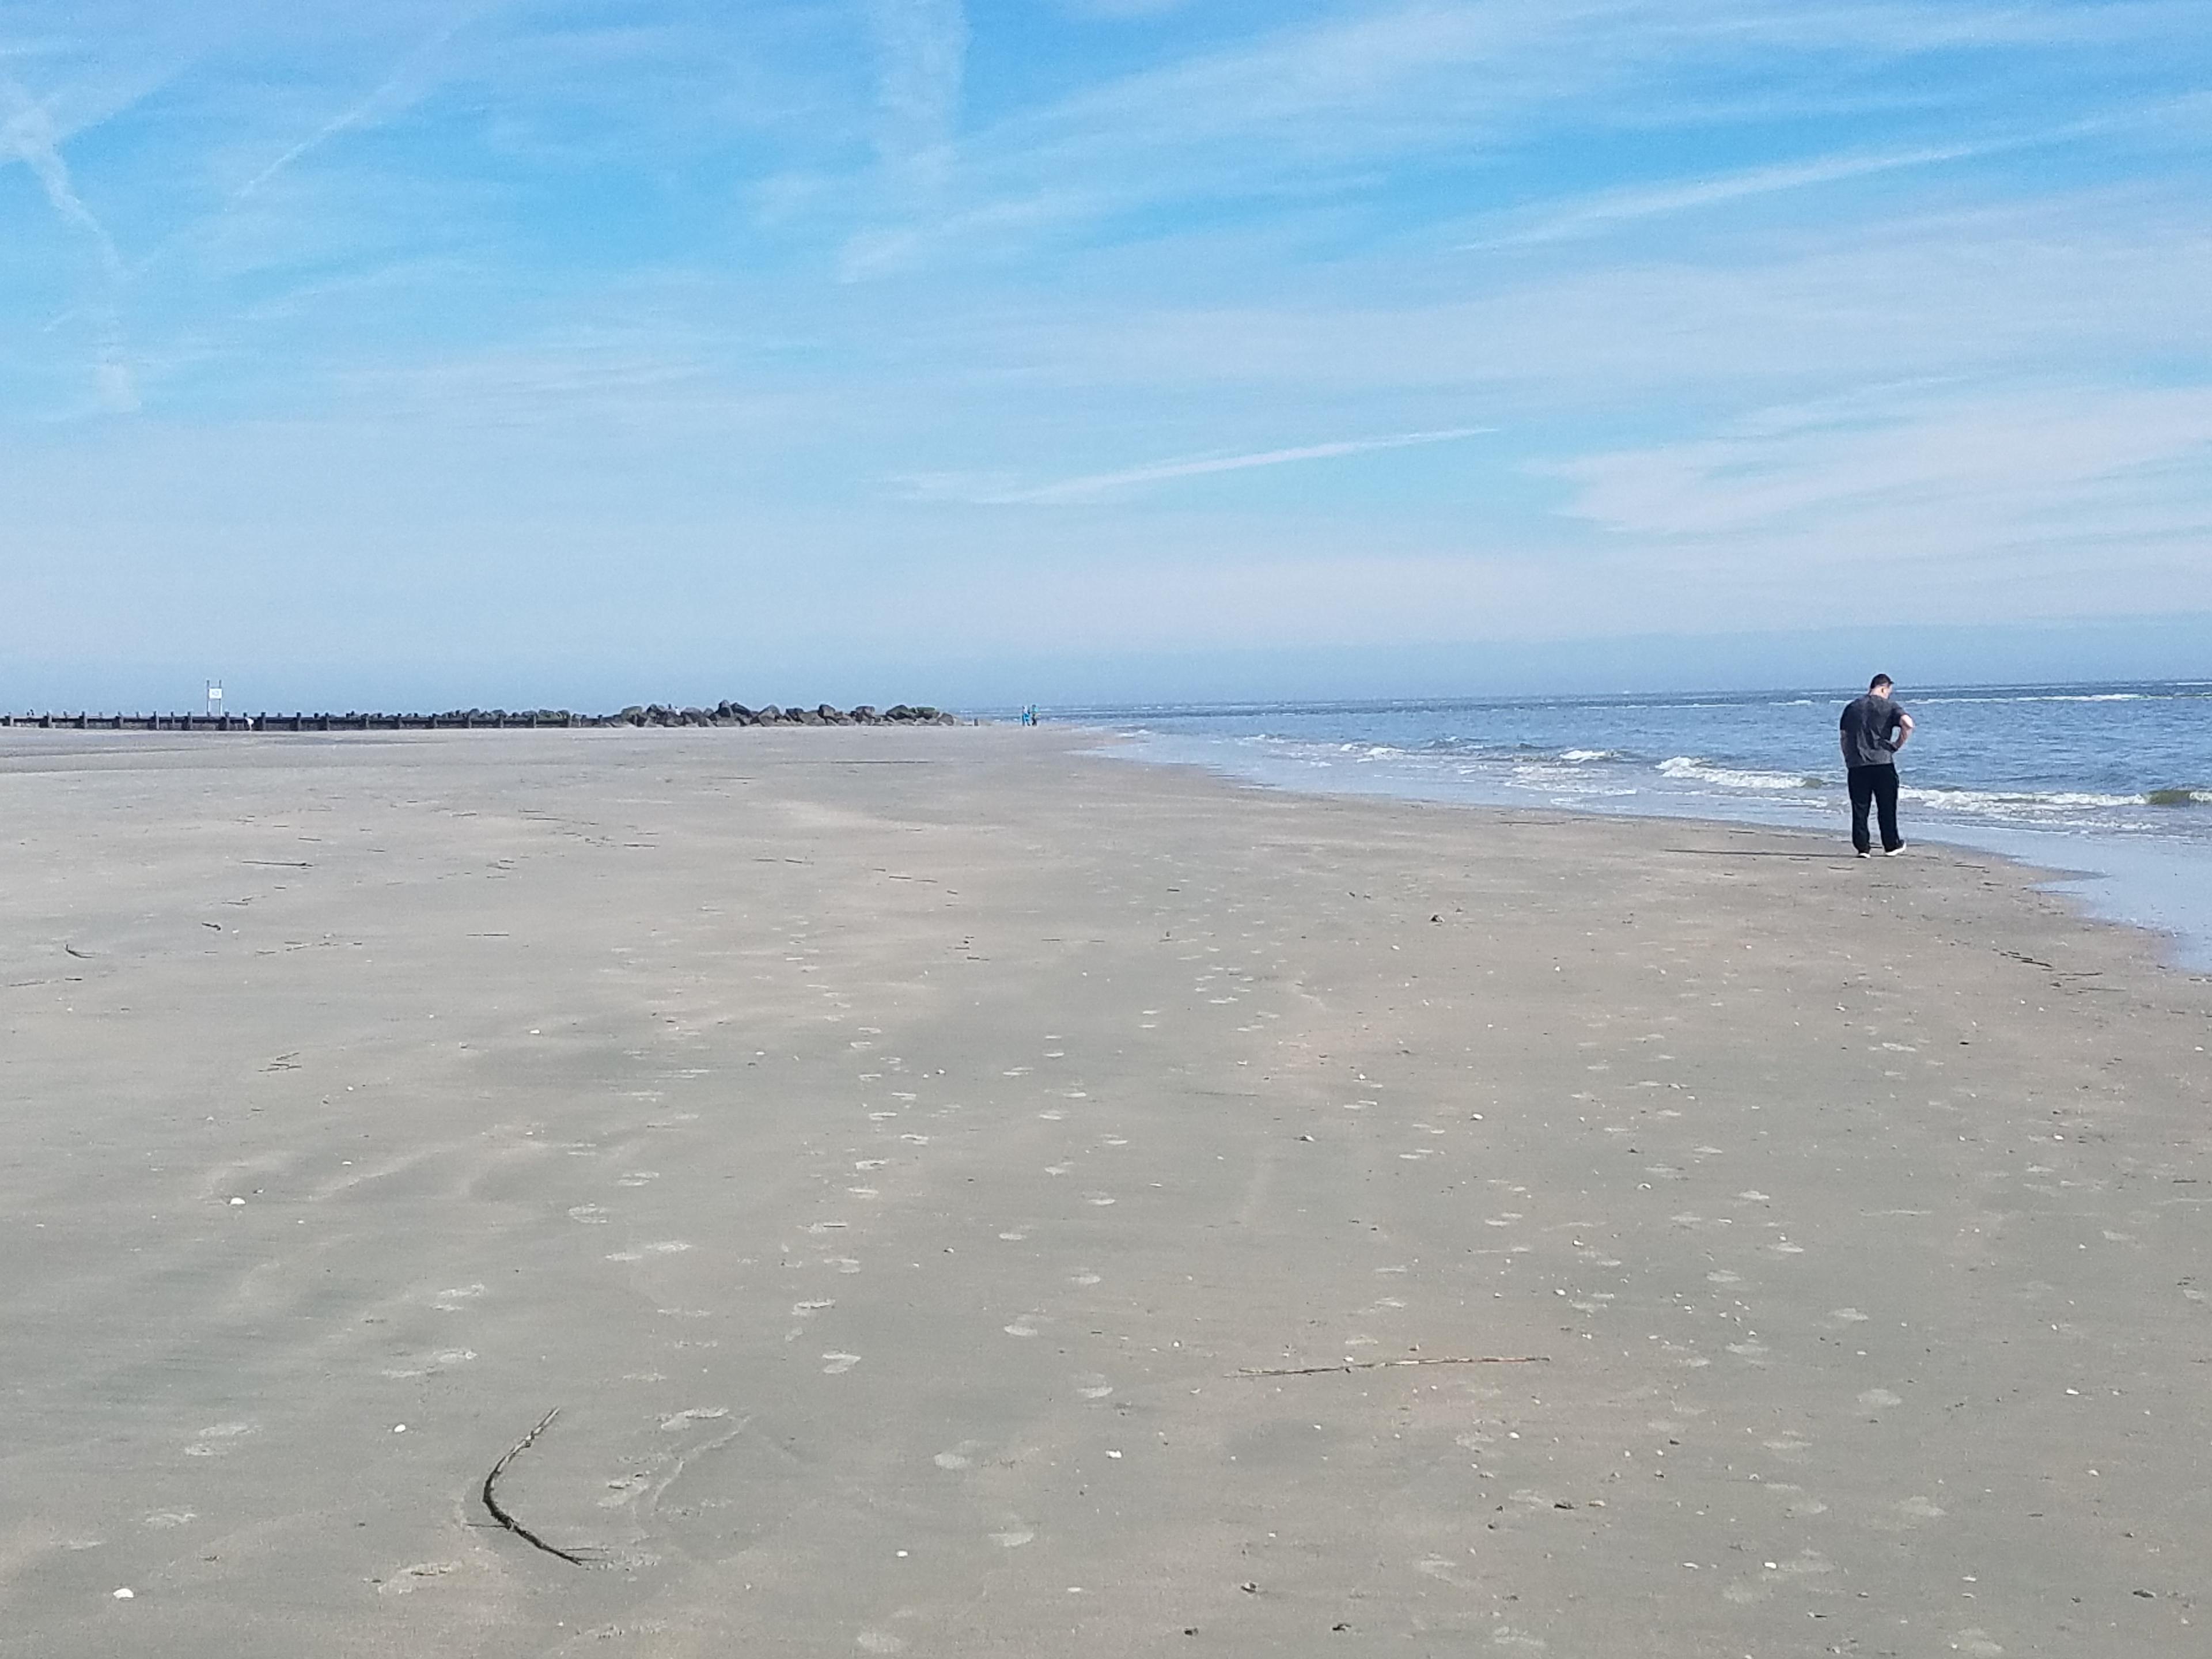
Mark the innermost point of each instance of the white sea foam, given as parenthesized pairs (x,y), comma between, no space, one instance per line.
(2046,696)
(1561,782)
(2005,804)
(1696,768)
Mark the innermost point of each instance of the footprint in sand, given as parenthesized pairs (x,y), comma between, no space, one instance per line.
(219,1439)
(590,1214)
(1014,1538)
(836,1364)
(693,1414)
(430,1364)
(666,1247)
(413,1578)
(1807,1563)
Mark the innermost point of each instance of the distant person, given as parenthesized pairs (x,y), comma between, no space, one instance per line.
(1873,728)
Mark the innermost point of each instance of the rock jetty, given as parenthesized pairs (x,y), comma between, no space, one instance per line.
(466,719)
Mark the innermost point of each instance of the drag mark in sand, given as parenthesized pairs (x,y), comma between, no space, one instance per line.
(1379,1364)
(492,1505)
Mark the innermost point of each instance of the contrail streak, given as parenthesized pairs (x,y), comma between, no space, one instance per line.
(29,135)
(1100,484)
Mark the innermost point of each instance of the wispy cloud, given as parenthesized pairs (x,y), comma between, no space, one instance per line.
(28,134)
(1094,486)
(1594,214)
(1602,212)
(922,58)
(1315,107)
(1985,469)
(403,85)
(397,89)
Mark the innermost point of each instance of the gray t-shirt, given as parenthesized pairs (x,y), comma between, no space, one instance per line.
(1867,729)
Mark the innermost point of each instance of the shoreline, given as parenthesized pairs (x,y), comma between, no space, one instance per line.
(962,1194)
(2158,885)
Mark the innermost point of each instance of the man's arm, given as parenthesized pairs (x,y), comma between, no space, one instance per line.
(1904,731)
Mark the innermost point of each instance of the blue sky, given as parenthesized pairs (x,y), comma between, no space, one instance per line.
(572,353)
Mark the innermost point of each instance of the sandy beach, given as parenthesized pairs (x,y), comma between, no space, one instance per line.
(960,1196)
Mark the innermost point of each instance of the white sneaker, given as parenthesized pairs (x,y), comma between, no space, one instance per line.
(1866,855)
(1892,851)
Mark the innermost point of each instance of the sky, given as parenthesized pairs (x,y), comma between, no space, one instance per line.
(412,352)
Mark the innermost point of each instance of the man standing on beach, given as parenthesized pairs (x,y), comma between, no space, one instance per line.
(1870,762)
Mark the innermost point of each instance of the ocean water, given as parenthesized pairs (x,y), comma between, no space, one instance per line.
(2110,783)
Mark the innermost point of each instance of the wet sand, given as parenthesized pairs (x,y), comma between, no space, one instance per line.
(890,1152)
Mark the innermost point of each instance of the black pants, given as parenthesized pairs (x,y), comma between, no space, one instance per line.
(1874,786)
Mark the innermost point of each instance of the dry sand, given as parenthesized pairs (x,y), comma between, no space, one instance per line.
(888,1151)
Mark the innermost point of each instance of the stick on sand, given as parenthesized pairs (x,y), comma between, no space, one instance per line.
(492,1503)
